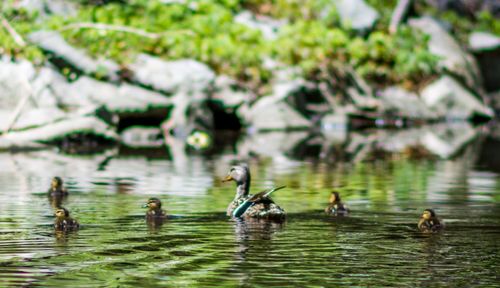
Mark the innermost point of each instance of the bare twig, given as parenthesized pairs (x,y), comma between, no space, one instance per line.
(399,14)
(119,28)
(13,33)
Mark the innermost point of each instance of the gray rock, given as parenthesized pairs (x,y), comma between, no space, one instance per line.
(53,42)
(268,26)
(48,7)
(142,137)
(454,58)
(274,112)
(125,98)
(480,41)
(15,81)
(398,101)
(229,93)
(449,99)
(446,140)
(58,130)
(357,14)
(32,117)
(172,76)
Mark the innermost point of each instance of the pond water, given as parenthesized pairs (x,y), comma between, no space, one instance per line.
(377,245)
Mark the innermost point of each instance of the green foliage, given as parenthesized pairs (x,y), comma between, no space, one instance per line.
(23,23)
(380,56)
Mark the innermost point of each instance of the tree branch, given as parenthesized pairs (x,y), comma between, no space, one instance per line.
(17,38)
(119,28)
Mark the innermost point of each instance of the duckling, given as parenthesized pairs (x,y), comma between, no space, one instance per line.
(64,222)
(335,206)
(154,209)
(57,187)
(429,222)
(258,206)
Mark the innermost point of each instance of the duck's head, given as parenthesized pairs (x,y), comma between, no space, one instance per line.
(56,183)
(153,204)
(334,197)
(428,214)
(239,174)
(61,213)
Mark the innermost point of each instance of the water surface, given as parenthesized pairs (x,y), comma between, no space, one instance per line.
(377,245)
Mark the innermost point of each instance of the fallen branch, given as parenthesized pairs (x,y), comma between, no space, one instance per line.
(118,28)
(399,14)
(13,33)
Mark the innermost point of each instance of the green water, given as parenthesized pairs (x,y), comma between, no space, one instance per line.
(377,245)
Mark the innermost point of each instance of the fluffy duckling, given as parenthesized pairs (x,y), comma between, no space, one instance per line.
(63,221)
(245,205)
(57,187)
(429,222)
(154,209)
(335,205)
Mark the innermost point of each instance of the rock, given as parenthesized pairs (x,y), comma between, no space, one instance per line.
(52,42)
(446,140)
(486,48)
(170,77)
(275,113)
(467,7)
(57,131)
(49,7)
(229,93)
(15,81)
(454,59)
(139,137)
(480,41)
(30,118)
(120,99)
(397,101)
(357,14)
(449,99)
(275,144)
(268,26)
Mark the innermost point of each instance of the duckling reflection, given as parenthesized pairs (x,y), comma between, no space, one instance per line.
(245,205)
(64,222)
(335,206)
(429,222)
(57,187)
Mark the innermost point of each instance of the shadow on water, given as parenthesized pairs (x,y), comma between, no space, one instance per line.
(385,177)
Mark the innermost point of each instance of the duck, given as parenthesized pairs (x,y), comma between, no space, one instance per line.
(57,187)
(154,209)
(64,222)
(429,222)
(245,205)
(335,205)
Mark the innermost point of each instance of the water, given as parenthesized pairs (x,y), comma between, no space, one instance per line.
(377,245)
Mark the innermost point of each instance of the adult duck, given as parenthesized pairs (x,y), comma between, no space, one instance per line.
(245,205)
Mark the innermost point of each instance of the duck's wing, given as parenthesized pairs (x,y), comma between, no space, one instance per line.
(264,194)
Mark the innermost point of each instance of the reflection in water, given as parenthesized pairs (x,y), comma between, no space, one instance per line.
(387,177)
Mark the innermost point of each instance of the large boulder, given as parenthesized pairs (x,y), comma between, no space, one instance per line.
(170,77)
(449,99)
(453,58)
(357,14)
(53,43)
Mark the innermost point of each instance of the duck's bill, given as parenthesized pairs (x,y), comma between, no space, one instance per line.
(228,178)
(145,205)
